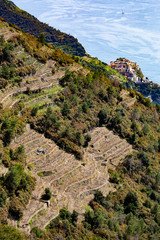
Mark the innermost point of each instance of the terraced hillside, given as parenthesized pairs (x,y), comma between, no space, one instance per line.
(107,148)
(43,79)
(32,73)
(34,83)
(72,182)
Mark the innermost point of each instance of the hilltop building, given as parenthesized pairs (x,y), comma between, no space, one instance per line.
(129,69)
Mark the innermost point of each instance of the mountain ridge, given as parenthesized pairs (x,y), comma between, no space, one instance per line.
(12,14)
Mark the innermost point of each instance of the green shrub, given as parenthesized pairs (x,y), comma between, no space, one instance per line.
(16,179)
(10,233)
(145,129)
(114,178)
(5,72)
(132,93)
(53,223)
(7,55)
(131,202)
(159,144)
(134,127)
(65,214)
(34,111)
(99,198)
(65,110)
(74,216)
(87,140)
(85,107)
(80,138)
(37,232)
(135,226)
(41,38)
(116,120)
(144,159)
(103,116)
(111,225)
(3,197)
(157,218)
(99,219)
(155,209)
(2,40)
(19,155)
(16,79)
(3,83)
(40,174)
(16,208)
(47,194)
(70,147)
(147,204)
(103,95)
(88,222)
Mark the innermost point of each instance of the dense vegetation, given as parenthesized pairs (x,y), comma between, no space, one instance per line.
(86,98)
(147,89)
(93,100)
(32,25)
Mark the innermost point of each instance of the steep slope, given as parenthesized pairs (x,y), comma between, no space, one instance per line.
(32,25)
(88,136)
(147,88)
(71,182)
(150,90)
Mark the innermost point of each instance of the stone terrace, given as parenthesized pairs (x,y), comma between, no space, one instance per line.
(71,182)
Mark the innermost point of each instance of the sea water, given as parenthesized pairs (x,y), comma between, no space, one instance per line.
(107,29)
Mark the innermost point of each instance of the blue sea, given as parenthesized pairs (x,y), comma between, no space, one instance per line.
(107,29)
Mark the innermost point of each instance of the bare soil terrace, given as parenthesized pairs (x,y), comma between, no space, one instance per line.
(71,182)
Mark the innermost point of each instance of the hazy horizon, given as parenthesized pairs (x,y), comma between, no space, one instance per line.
(107,29)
